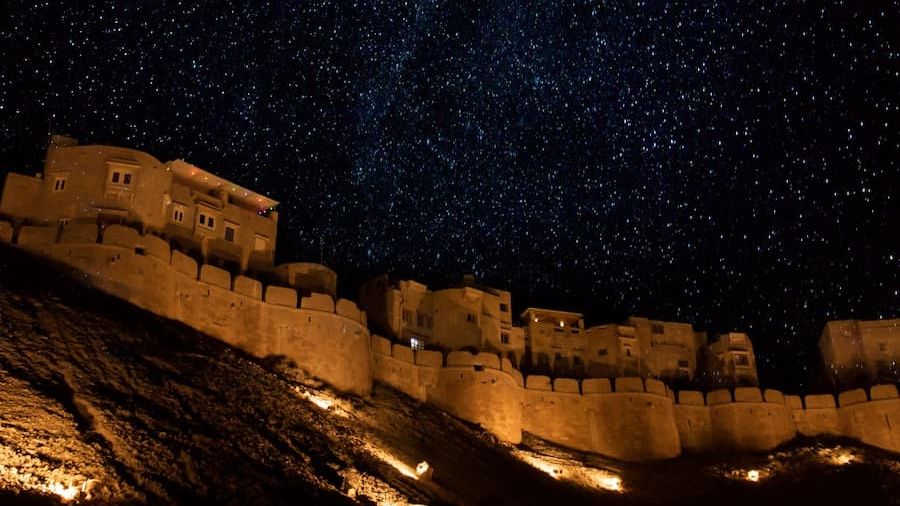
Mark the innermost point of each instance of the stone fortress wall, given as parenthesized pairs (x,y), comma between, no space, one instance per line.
(327,338)
(628,418)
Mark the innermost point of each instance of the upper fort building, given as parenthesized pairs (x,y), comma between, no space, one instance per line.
(859,352)
(215,219)
(553,342)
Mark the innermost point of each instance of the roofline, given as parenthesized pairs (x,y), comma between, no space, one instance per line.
(556,311)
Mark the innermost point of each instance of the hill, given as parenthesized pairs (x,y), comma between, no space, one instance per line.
(102,402)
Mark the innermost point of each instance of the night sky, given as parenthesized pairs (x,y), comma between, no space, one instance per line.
(730,164)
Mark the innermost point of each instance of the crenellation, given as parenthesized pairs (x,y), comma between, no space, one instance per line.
(628,385)
(119,235)
(819,401)
(154,246)
(851,397)
(347,309)
(747,394)
(882,392)
(691,398)
(720,396)
(215,276)
(566,385)
(596,386)
(79,233)
(184,264)
(540,383)
(773,396)
(248,287)
(427,358)
(381,345)
(37,238)
(794,402)
(403,353)
(281,296)
(652,386)
(317,302)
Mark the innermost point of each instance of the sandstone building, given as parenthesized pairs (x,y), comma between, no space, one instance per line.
(125,237)
(207,215)
(858,352)
(467,316)
(730,361)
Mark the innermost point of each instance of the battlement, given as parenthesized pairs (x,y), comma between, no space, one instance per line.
(240,310)
(628,418)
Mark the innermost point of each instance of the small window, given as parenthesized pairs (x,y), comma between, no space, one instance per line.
(504,307)
(206,221)
(741,360)
(470,317)
(63,222)
(407,316)
(261,243)
(416,344)
(504,338)
(115,177)
(229,233)
(602,352)
(178,214)
(59,184)
(658,328)
(627,352)
(126,178)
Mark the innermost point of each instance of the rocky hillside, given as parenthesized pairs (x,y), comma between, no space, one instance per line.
(103,403)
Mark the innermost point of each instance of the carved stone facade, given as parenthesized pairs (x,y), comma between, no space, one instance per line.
(215,219)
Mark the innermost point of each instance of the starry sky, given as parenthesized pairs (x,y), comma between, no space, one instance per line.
(730,164)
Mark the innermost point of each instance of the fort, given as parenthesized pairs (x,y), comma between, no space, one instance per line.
(185,244)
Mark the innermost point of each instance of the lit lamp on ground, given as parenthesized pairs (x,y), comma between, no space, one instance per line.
(424,471)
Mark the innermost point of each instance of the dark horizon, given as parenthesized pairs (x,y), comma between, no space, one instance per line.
(731,167)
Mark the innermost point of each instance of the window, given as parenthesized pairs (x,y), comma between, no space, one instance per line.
(741,360)
(178,214)
(658,328)
(407,316)
(59,184)
(126,179)
(504,307)
(115,177)
(602,352)
(261,243)
(627,352)
(420,319)
(470,317)
(63,222)
(416,344)
(206,221)
(229,233)
(882,346)
(504,338)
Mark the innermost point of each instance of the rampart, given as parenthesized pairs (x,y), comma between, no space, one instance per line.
(329,340)
(627,418)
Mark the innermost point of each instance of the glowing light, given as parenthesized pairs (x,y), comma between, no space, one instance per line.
(753,475)
(326,402)
(422,468)
(562,324)
(394,462)
(65,493)
(608,482)
(572,471)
